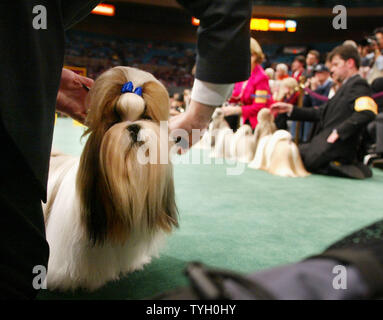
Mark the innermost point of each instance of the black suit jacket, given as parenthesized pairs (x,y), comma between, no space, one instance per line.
(338,113)
(31,63)
(223,47)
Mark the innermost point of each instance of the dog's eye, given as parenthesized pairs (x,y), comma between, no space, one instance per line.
(146,117)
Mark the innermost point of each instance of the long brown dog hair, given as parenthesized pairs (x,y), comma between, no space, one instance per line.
(106,212)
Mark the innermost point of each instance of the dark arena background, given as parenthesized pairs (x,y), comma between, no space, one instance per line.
(248,222)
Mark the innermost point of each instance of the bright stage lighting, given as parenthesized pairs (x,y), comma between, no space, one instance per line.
(105,10)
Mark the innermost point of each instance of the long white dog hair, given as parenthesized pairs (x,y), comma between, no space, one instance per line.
(277,154)
(242,146)
(265,126)
(209,138)
(108,213)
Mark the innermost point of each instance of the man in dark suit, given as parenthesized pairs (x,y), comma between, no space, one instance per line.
(33,33)
(333,148)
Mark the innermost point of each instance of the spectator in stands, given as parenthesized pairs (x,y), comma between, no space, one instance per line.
(350,43)
(376,57)
(312,59)
(375,128)
(282,71)
(334,147)
(270,73)
(320,84)
(288,92)
(177,105)
(297,72)
(272,83)
(250,96)
(298,67)
(365,47)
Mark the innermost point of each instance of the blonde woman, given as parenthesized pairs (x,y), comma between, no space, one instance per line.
(254,94)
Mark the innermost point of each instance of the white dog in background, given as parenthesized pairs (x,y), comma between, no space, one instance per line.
(276,152)
(279,155)
(209,138)
(222,148)
(266,125)
(107,213)
(242,146)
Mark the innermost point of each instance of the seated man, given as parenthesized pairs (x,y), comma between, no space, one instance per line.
(375,128)
(333,148)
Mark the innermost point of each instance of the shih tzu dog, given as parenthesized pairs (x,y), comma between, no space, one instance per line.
(217,123)
(265,126)
(243,144)
(277,154)
(108,212)
(238,146)
(222,147)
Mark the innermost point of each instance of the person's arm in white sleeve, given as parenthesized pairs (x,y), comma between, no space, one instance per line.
(205,97)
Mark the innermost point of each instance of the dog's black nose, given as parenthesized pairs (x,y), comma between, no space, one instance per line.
(133,130)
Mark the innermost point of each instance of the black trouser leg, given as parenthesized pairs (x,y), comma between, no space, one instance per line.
(22,233)
(313,163)
(379,133)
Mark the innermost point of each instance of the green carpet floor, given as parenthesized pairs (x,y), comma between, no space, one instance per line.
(245,223)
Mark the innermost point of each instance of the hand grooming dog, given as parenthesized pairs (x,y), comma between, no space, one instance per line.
(108,212)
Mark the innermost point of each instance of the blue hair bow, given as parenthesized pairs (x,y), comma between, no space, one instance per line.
(128,87)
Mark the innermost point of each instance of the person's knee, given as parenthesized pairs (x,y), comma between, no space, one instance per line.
(312,162)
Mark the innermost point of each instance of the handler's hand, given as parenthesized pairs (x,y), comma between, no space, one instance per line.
(333,137)
(197,116)
(231,111)
(281,107)
(71,96)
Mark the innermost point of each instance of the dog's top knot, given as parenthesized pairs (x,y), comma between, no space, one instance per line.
(128,87)
(130,105)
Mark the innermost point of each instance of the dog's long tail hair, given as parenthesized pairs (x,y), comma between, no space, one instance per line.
(101,215)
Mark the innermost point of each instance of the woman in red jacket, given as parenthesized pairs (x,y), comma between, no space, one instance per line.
(251,95)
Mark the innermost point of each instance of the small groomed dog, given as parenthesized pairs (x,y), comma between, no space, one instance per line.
(265,126)
(238,146)
(209,138)
(277,154)
(242,146)
(108,212)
